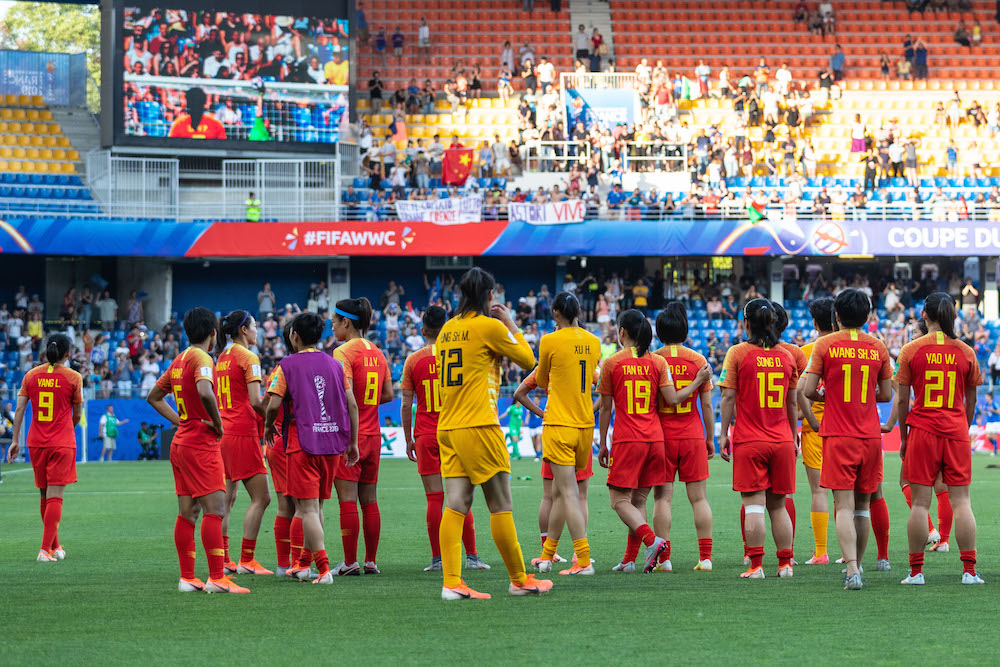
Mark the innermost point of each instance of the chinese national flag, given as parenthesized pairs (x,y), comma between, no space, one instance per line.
(456,165)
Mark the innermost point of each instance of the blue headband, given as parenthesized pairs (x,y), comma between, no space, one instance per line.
(245,318)
(344,313)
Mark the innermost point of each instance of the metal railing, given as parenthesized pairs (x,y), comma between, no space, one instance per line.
(654,156)
(574,81)
(551,156)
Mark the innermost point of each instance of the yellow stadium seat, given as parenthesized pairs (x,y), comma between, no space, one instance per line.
(23,140)
(33,114)
(37,100)
(46,114)
(32,153)
(68,168)
(46,153)
(14,166)
(50,141)
(45,166)
(20,153)
(24,100)
(19,114)
(37,141)
(6,153)
(73,155)
(7,114)
(364,104)
(4,165)
(28,128)
(10,100)
(63,142)
(444,119)
(58,154)
(3,127)
(418,119)
(55,128)
(27,166)
(416,133)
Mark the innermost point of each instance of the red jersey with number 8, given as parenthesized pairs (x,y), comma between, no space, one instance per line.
(366,368)
(851,364)
(420,375)
(762,378)
(683,420)
(939,369)
(181,380)
(635,382)
(53,390)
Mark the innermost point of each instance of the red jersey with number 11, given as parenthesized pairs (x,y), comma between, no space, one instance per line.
(762,378)
(635,382)
(366,368)
(420,375)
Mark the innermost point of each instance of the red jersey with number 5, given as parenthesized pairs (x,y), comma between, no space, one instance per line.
(420,375)
(181,380)
(683,421)
(635,382)
(762,378)
(939,369)
(366,368)
(52,390)
(851,364)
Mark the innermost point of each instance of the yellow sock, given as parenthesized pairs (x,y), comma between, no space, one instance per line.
(820,521)
(549,548)
(452,523)
(582,550)
(505,537)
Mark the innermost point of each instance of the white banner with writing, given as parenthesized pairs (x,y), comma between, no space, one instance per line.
(450,211)
(554,213)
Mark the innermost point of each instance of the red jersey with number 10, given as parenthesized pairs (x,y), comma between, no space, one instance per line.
(635,382)
(762,378)
(851,364)
(366,368)
(939,369)
(420,375)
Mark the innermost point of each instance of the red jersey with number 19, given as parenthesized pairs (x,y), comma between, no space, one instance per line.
(53,390)
(851,364)
(366,368)
(181,379)
(762,378)
(635,382)
(420,375)
(939,369)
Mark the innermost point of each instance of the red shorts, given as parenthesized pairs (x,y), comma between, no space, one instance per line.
(365,471)
(637,465)
(428,454)
(197,472)
(242,456)
(852,464)
(581,475)
(53,466)
(928,454)
(309,475)
(759,466)
(277,461)
(686,459)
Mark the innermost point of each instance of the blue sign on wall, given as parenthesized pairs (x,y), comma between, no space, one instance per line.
(60,78)
(604,106)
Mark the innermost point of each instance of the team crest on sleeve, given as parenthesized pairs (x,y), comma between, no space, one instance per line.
(722,377)
(274,382)
(255,369)
(206,372)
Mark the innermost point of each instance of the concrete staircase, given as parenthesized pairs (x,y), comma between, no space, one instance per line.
(80,126)
(594,14)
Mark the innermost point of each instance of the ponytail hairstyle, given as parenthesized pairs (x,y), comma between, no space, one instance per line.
(939,307)
(637,328)
(356,311)
(672,324)
(434,318)
(286,334)
(476,287)
(760,318)
(780,319)
(229,327)
(57,348)
(568,306)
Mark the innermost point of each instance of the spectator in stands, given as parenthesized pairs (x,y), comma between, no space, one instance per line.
(962,37)
(135,310)
(951,158)
(546,75)
(760,75)
(977,33)
(527,53)
(703,72)
(424,39)
(36,305)
(529,5)
(920,59)
(837,63)
(581,43)
(904,69)
(265,301)
(375,87)
(507,56)
(910,161)
(616,197)
(975,159)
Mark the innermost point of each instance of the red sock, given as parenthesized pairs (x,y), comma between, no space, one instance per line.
(282,541)
(968,561)
(631,548)
(225,546)
(469,534)
(211,542)
(184,541)
(55,535)
(41,507)
(945,515)
(645,533)
(908,496)
(435,504)
(305,558)
(916,563)
(372,523)
(790,507)
(544,537)
(665,554)
(50,524)
(246,550)
(296,538)
(322,562)
(705,548)
(784,556)
(743,529)
(349,529)
(880,526)
(756,555)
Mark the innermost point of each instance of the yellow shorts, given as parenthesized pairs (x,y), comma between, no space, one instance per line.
(478,453)
(567,445)
(812,450)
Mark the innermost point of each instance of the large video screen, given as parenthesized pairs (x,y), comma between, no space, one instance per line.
(196,76)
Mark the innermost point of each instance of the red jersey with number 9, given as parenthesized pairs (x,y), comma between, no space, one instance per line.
(181,380)
(236,368)
(366,368)
(53,390)
(635,382)
(851,364)
(420,375)
(762,378)
(683,420)
(939,369)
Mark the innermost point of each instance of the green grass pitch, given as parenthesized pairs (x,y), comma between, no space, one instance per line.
(114,599)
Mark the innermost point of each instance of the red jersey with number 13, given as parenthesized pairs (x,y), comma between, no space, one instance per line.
(683,421)
(366,368)
(420,375)
(762,378)
(635,383)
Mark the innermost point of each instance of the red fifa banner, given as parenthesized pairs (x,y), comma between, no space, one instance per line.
(324,239)
(456,165)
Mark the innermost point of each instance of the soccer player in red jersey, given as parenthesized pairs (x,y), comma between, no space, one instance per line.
(856,372)
(237,380)
(199,474)
(944,374)
(759,390)
(688,437)
(197,123)
(368,377)
(288,535)
(420,381)
(54,391)
(629,385)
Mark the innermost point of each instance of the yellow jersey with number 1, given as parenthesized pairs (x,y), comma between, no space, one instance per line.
(567,360)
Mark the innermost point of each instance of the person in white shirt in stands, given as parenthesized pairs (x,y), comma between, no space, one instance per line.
(581,42)
(501,158)
(974,157)
(214,63)
(414,340)
(546,74)
(643,72)
(424,39)
(507,56)
(784,78)
(527,53)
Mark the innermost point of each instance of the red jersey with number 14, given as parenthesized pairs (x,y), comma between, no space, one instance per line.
(366,368)
(420,375)
(635,382)
(181,380)
(939,369)
(53,390)
(236,368)
(762,378)
(851,364)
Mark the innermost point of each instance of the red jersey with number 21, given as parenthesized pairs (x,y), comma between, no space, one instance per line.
(366,368)
(635,382)
(762,378)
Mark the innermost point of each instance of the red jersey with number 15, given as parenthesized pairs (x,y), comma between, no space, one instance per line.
(420,375)
(635,382)
(366,368)
(851,364)
(762,378)
(53,390)
(181,379)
